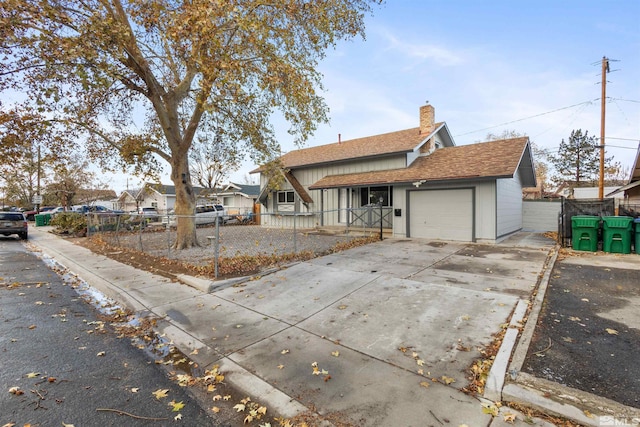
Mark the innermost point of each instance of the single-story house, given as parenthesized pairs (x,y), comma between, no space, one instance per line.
(631,191)
(238,197)
(127,201)
(428,187)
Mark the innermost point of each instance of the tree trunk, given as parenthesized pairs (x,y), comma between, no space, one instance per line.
(185,204)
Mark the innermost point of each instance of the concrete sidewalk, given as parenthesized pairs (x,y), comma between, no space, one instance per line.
(383,321)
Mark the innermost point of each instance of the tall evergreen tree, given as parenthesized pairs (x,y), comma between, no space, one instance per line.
(578,159)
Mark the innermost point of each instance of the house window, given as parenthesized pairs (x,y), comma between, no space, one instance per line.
(227,201)
(154,205)
(372,195)
(285,197)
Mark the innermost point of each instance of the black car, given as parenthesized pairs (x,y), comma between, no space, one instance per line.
(13,223)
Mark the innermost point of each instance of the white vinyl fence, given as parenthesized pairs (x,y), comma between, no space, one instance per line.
(540,215)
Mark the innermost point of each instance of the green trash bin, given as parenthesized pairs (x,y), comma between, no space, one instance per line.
(616,234)
(42,219)
(584,232)
(637,242)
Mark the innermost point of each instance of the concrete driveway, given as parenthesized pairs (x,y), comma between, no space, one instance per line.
(377,324)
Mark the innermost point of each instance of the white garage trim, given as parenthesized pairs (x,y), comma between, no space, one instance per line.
(445,214)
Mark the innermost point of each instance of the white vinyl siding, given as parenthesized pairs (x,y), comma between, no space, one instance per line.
(329,200)
(484,208)
(508,206)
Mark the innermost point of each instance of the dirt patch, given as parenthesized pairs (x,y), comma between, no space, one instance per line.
(141,260)
(578,342)
(199,261)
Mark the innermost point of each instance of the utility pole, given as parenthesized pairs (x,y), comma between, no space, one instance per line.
(603,100)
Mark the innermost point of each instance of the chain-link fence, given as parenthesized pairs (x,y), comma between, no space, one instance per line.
(226,242)
(629,210)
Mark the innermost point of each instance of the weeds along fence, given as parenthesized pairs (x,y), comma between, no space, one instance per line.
(226,241)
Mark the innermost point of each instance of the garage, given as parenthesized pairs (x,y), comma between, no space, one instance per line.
(441,214)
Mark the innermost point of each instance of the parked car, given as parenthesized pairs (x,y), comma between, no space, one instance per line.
(31,215)
(149,213)
(207,214)
(14,223)
(56,210)
(92,208)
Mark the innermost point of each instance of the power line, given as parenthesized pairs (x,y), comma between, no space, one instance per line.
(626,100)
(530,117)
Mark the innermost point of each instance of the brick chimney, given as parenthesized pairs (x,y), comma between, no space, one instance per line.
(427,119)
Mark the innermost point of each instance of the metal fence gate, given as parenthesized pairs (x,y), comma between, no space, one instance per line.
(573,207)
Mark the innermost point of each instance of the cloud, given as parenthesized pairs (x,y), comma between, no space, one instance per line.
(425,52)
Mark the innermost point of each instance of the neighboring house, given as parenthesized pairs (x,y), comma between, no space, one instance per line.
(429,188)
(630,191)
(238,198)
(127,201)
(533,193)
(593,193)
(163,197)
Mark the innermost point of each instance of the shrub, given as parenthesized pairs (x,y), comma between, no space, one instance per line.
(69,223)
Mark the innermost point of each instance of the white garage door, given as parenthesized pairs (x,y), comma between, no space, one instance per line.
(441,214)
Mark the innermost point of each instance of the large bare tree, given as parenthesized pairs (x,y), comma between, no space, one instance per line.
(141,76)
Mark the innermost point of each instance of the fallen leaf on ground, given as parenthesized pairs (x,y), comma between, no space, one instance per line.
(285,351)
(178,417)
(424,384)
(448,380)
(490,409)
(612,331)
(215,409)
(239,407)
(335,353)
(280,366)
(135,390)
(160,393)
(33,374)
(176,406)
(509,417)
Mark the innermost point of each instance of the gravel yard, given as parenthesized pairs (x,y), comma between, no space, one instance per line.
(234,240)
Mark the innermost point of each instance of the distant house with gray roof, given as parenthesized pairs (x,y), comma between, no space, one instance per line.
(237,198)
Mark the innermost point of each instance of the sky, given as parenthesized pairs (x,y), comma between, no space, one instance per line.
(533,67)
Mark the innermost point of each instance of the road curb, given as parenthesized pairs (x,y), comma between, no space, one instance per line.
(251,384)
(497,374)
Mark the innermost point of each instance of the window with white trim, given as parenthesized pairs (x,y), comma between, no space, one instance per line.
(286,197)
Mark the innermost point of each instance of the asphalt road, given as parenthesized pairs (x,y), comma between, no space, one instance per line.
(581,339)
(67,365)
